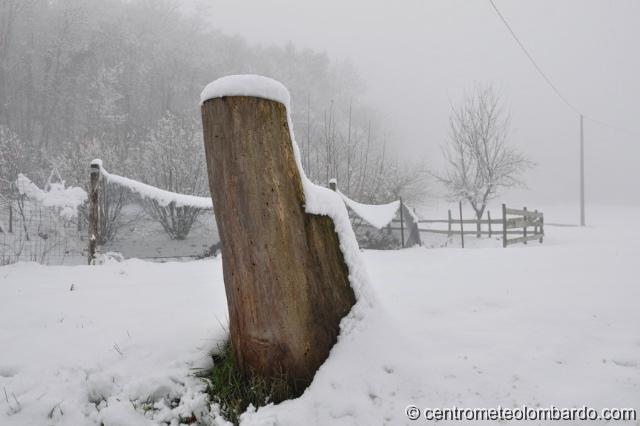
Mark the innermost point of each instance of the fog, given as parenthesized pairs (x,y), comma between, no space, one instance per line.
(373,84)
(418,57)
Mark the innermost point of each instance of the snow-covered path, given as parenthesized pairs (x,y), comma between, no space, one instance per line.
(556,324)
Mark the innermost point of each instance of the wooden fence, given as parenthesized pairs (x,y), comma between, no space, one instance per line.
(525,224)
(522,219)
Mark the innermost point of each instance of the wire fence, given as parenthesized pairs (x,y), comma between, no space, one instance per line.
(130,219)
(30,232)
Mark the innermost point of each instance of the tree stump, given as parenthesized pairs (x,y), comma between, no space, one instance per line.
(285,278)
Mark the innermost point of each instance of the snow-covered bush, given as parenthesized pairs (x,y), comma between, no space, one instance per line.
(374,239)
(172,158)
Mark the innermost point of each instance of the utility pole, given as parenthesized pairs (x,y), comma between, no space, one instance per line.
(582,221)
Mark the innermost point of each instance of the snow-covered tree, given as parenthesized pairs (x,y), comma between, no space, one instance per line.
(173,159)
(480,159)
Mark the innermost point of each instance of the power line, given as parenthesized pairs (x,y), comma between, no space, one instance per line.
(533,61)
(619,129)
(548,80)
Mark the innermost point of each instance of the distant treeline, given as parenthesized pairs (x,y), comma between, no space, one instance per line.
(120,80)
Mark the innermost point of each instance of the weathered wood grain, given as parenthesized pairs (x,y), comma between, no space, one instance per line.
(285,277)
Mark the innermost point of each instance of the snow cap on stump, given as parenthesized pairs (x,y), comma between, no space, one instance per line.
(247,85)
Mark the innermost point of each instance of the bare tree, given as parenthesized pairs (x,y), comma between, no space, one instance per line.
(480,160)
(174,161)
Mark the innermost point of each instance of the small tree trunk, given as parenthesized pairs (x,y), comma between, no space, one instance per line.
(479,214)
(94,182)
(285,277)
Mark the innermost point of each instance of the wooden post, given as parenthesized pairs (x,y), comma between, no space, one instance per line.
(402,222)
(461,224)
(489,219)
(94,182)
(449,224)
(535,224)
(286,281)
(10,218)
(541,228)
(524,228)
(412,227)
(504,225)
(333,184)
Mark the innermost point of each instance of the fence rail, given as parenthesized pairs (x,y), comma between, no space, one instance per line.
(527,225)
(30,231)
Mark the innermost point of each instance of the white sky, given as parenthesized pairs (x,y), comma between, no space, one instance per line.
(418,56)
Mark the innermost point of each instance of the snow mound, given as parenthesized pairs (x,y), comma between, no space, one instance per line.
(318,200)
(66,200)
(379,215)
(162,196)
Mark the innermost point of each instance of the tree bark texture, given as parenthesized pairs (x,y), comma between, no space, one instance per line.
(285,277)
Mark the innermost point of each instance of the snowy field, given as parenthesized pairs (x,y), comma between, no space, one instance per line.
(552,324)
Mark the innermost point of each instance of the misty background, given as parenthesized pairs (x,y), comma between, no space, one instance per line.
(110,79)
(418,57)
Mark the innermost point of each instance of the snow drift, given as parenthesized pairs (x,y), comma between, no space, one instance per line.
(65,200)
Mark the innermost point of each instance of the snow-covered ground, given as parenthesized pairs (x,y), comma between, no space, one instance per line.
(144,238)
(552,324)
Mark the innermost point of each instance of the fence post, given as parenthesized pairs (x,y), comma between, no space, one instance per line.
(541,227)
(524,228)
(489,218)
(402,222)
(412,227)
(504,225)
(333,184)
(461,224)
(94,181)
(10,218)
(286,282)
(535,223)
(449,224)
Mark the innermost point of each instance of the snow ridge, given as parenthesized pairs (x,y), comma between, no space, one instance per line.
(163,197)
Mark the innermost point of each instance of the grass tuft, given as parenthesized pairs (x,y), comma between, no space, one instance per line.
(234,392)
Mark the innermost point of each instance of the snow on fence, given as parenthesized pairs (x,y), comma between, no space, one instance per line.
(381,216)
(181,226)
(52,226)
(163,197)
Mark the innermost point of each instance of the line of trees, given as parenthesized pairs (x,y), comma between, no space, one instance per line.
(119,80)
